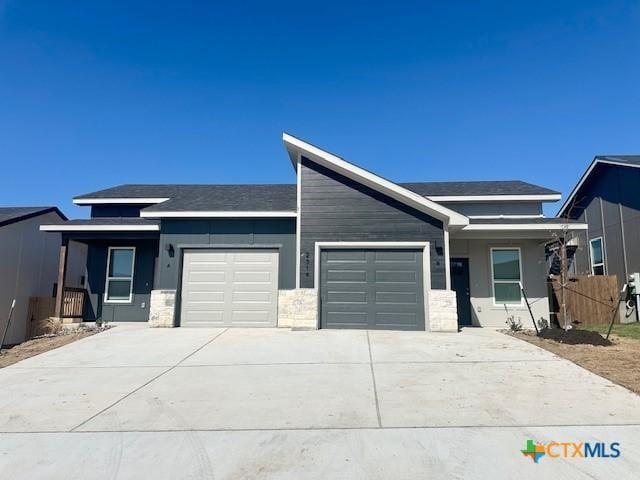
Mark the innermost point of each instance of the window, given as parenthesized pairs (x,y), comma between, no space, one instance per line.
(506,273)
(597,256)
(119,285)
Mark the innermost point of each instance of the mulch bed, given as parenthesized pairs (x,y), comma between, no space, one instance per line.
(575,337)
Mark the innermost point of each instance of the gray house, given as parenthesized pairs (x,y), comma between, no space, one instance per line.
(340,248)
(29,263)
(607,197)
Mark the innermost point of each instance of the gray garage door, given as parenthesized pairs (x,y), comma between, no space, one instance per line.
(375,289)
(229,288)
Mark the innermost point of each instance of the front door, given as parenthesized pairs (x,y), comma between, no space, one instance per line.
(460,284)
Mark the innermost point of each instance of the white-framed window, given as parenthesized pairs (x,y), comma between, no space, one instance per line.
(597,256)
(506,275)
(120,267)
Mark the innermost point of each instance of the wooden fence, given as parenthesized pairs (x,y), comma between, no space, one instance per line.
(589,300)
(41,308)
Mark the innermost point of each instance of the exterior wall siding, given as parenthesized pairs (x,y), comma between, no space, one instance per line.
(28,268)
(229,232)
(98,211)
(495,208)
(483,311)
(336,208)
(143,277)
(609,202)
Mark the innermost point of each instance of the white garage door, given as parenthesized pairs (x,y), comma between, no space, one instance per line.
(229,288)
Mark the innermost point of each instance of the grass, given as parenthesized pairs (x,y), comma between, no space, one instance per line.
(630,330)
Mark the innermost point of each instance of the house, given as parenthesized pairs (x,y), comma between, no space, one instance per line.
(29,264)
(607,198)
(340,248)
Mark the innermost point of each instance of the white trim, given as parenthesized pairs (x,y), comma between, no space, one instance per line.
(374,181)
(604,263)
(217,214)
(447,259)
(524,226)
(298,218)
(107,278)
(123,200)
(549,197)
(511,217)
(493,281)
(584,177)
(426,267)
(100,228)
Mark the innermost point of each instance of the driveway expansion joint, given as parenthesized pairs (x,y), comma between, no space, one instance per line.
(137,389)
(373,379)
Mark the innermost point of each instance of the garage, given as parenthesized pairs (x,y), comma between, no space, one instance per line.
(372,288)
(229,288)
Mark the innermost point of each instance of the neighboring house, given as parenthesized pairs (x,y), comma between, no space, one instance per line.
(29,263)
(607,197)
(341,248)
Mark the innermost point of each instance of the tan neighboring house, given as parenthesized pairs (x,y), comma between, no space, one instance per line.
(29,264)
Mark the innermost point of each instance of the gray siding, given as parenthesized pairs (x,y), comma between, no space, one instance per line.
(495,208)
(138,309)
(100,211)
(336,208)
(240,232)
(609,201)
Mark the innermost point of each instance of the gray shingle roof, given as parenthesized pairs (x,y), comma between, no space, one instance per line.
(476,188)
(624,159)
(16,214)
(230,198)
(113,221)
(282,197)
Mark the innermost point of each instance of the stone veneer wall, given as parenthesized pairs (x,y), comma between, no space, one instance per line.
(298,308)
(162,308)
(443,311)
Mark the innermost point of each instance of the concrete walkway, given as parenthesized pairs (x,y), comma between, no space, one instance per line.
(268,403)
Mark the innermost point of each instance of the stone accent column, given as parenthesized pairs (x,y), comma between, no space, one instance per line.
(443,311)
(298,308)
(162,308)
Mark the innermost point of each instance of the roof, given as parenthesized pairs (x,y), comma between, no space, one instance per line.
(110,224)
(296,148)
(477,188)
(10,215)
(619,160)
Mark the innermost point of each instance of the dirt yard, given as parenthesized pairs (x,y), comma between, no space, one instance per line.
(619,362)
(30,348)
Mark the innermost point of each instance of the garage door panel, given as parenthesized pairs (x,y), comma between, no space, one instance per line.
(351,276)
(346,297)
(397,298)
(233,290)
(396,276)
(382,290)
(395,256)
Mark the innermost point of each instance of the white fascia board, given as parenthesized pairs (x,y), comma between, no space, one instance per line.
(100,228)
(119,201)
(217,214)
(583,179)
(551,197)
(512,217)
(524,226)
(374,181)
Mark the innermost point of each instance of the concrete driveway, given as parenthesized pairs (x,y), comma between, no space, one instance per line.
(269,403)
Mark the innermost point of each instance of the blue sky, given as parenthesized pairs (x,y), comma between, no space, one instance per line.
(94,94)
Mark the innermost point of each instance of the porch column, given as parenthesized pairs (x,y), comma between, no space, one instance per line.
(62,275)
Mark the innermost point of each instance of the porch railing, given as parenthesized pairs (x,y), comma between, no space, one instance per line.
(73,302)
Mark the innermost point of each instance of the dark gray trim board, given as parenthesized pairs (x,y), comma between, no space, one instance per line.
(335,208)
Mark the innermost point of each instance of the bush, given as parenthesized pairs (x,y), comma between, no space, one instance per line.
(513,324)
